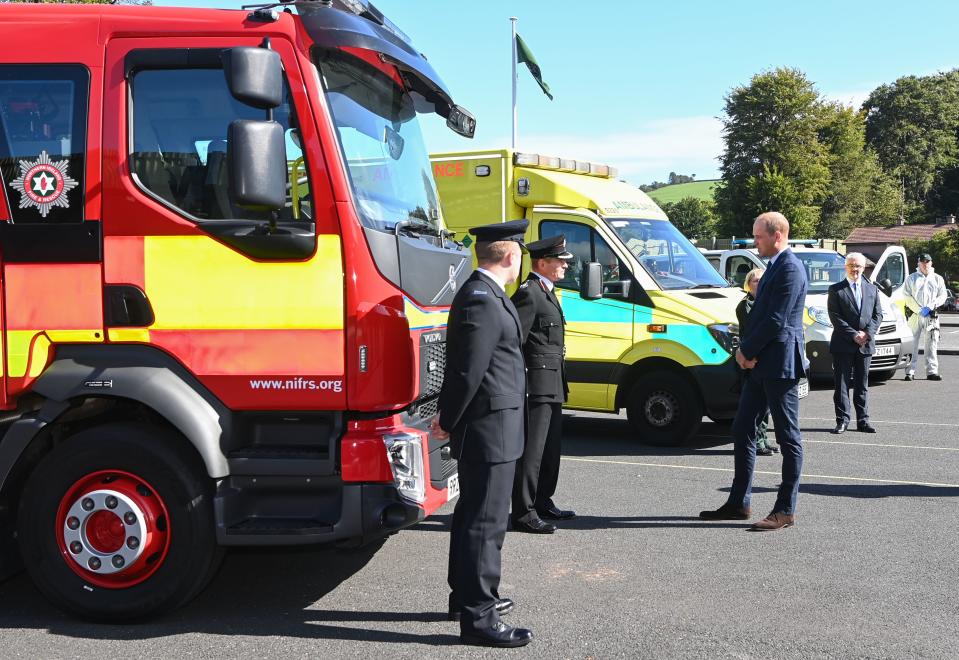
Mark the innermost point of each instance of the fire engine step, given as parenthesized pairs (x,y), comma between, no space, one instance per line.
(279,526)
(272,460)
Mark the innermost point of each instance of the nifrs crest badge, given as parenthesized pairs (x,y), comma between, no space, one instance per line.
(44,183)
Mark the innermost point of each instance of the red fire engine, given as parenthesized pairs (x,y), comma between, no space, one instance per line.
(224,291)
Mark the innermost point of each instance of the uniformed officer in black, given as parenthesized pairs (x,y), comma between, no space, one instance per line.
(542,321)
(482,408)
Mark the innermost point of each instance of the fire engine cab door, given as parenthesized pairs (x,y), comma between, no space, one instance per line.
(50,234)
(249,302)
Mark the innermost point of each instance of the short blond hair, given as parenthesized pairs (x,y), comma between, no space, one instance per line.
(754,274)
(492,252)
(773,221)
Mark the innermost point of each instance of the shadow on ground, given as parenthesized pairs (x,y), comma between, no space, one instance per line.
(258,592)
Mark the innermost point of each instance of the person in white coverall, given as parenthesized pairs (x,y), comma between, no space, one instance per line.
(925,292)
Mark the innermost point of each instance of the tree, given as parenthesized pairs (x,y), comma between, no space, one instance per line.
(693,217)
(912,125)
(944,249)
(774,160)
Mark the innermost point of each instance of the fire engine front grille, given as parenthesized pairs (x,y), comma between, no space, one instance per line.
(432,366)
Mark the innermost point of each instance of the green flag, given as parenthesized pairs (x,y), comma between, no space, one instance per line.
(523,54)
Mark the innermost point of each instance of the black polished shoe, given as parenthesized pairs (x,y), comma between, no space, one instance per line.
(726,512)
(503,607)
(933,377)
(865,427)
(840,428)
(499,634)
(764,451)
(908,378)
(534,526)
(552,512)
(773,448)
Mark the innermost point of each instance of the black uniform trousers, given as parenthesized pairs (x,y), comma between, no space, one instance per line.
(851,370)
(478,529)
(538,471)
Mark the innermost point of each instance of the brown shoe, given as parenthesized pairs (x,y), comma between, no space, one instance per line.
(773,522)
(726,512)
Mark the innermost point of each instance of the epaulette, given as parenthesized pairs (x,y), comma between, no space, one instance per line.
(524,284)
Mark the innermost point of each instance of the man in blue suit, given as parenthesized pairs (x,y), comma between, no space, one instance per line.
(773,349)
(855,313)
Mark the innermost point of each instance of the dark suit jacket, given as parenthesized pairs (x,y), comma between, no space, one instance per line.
(775,333)
(483,400)
(541,318)
(847,320)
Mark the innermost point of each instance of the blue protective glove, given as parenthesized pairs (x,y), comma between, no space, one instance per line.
(924,312)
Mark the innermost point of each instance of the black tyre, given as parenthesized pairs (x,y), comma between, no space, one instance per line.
(881,376)
(117,524)
(664,409)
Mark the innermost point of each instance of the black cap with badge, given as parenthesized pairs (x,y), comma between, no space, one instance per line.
(925,256)
(514,230)
(554,246)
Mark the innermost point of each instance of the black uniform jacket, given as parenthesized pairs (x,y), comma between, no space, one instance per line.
(542,320)
(847,320)
(483,400)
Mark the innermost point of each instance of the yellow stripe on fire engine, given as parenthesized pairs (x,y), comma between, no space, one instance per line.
(420,319)
(194,282)
(19,354)
(141,335)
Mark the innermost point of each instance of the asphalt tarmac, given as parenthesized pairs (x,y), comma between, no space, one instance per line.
(870,570)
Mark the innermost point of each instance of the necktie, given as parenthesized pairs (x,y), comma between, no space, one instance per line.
(856,295)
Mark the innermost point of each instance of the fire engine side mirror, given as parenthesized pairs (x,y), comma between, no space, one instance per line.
(591,282)
(254,76)
(256,152)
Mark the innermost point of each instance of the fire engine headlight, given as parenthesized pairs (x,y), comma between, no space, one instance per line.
(820,315)
(726,335)
(405,452)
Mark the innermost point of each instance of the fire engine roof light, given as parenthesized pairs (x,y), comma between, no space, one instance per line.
(598,170)
(567,164)
(582,167)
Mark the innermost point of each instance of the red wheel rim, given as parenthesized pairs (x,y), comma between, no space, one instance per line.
(113,529)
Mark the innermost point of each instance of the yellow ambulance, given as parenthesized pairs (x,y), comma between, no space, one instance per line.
(650,324)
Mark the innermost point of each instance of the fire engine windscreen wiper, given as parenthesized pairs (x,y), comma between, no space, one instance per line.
(413,226)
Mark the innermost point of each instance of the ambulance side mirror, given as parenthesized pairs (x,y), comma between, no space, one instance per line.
(591,282)
(254,76)
(256,152)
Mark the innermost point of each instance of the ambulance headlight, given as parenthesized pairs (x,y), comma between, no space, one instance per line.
(820,315)
(726,335)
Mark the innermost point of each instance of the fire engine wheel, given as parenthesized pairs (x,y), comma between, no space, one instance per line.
(117,523)
(664,409)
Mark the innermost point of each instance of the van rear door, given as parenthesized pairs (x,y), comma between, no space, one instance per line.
(893,265)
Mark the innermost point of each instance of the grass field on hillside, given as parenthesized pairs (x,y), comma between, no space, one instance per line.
(697,189)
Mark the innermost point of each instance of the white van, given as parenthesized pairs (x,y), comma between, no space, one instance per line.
(894,342)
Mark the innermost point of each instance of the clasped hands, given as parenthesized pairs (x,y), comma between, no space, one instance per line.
(436,431)
(743,362)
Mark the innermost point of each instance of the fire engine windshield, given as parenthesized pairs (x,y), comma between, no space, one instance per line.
(380,137)
(667,255)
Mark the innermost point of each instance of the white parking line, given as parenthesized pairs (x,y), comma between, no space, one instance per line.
(877,421)
(775,474)
(841,442)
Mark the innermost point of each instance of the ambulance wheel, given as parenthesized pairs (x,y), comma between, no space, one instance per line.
(116,523)
(664,409)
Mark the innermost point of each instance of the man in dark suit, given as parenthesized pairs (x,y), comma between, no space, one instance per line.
(773,349)
(855,313)
(542,321)
(482,409)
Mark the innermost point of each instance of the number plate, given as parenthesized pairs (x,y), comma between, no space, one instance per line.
(885,350)
(803,388)
(453,487)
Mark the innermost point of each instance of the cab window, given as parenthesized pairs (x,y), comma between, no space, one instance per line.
(43,118)
(737,267)
(894,270)
(179,144)
(587,246)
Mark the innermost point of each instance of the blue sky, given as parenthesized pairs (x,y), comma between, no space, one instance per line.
(640,85)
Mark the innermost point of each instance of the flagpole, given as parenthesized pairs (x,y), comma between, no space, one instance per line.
(512,21)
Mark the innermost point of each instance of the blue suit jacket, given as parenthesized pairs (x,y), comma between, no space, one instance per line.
(775,333)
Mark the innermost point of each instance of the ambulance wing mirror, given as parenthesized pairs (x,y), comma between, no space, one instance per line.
(591,282)
(886,286)
(256,152)
(461,121)
(254,76)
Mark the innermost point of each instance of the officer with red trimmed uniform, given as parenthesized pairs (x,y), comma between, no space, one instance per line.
(542,320)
